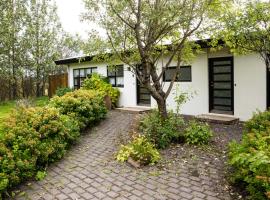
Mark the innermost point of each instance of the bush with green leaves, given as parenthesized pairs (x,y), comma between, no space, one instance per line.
(34,137)
(140,149)
(86,106)
(197,133)
(162,132)
(260,121)
(62,91)
(250,159)
(99,83)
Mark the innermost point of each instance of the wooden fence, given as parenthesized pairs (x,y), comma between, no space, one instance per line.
(57,81)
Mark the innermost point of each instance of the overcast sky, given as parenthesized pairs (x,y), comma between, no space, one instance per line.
(69,12)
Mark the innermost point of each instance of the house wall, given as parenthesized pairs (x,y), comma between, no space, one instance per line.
(249,84)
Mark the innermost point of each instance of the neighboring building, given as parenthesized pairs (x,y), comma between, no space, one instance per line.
(223,83)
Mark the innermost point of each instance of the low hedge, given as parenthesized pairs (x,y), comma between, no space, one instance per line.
(34,137)
(250,159)
(87,106)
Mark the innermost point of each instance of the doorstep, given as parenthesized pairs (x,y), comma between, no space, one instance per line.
(218,118)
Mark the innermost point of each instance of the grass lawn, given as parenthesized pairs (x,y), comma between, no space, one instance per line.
(7,107)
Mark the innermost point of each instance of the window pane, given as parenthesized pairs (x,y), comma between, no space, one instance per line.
(222,93)
(119,81)
(112,81)
(94,70)
(223,69)
(218,101)
(169,74)
(185,73)
(76,81)
(120,70)
(82,73)
(225,62)
(222,85)
(222,77)
(76,73)
(88,71)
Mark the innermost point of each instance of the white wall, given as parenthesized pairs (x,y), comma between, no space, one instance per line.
(250,85)
(249,88)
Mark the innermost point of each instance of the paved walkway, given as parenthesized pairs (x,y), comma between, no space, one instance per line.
(89,171)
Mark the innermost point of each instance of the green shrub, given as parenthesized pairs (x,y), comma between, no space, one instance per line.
(34,137)
(197,133)
(87,106)
(161,132)
(98,83)
(250,159)
(260,121)
(140,150)
(62,91)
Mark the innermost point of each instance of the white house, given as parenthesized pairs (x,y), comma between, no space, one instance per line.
(222,83)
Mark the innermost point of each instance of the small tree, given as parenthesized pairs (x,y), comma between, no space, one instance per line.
(247,29)
(138,29)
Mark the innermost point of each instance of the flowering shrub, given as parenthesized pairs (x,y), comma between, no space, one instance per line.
(250,159)
(87,106)
(140,150)
(33,138)
(97,83)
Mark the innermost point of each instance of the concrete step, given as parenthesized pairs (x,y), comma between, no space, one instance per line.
(218,118)
(135,109)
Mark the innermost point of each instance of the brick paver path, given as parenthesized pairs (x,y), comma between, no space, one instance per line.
(89,171)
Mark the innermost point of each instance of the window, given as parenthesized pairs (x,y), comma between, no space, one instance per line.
(184,74)
(116,76)
(80,74)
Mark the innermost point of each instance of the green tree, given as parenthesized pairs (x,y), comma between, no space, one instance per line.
(12,50)
(138,29)
(42,32)
(247,29)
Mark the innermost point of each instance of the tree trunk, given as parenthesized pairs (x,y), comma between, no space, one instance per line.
(162,108)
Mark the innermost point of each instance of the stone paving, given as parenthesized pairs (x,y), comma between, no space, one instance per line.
(89,171)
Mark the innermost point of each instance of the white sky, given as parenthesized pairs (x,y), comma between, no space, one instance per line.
(69,12)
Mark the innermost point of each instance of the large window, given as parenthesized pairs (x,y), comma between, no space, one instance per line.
(116,75)
(184,75)
(80,74)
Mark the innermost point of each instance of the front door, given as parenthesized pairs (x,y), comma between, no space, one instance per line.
(221,83)
(143,95)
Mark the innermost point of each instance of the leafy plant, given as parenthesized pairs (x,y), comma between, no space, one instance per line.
(99,83)
(159,131)
(250,159)
(41,175)
(62,91)
(197,133)
(86,106)
(139,149)
(260,121)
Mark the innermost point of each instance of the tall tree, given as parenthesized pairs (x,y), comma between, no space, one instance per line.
(43,36)
(136,30)
(13,14)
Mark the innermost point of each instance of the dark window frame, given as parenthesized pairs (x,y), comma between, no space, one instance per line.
(78,86)
(178,79)
(115,76)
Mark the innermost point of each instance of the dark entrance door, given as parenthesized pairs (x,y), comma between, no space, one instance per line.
(143,96)
(221,94)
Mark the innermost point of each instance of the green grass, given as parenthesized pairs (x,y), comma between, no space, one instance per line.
(7,107)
